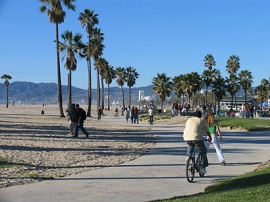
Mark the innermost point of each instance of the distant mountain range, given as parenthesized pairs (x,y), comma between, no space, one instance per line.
(36,93)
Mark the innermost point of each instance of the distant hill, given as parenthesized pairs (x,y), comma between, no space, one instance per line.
(36,93)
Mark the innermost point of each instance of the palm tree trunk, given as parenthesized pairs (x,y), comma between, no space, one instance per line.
(7,98)
(89,80)
(205,102)
(123,96)
(59,84)
(69,88)
(102,93)
(98,89)
(89,88)
(129,102)
(109,100)
(245,97)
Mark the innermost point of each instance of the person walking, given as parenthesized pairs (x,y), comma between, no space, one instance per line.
(136,115)
(126,112)
(99,112)
(81,117)
(194,131)
(151,115)
(214,130)
(72,118)
(132,113)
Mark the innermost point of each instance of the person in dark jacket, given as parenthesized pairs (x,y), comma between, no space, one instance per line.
(80,121)
(72,118)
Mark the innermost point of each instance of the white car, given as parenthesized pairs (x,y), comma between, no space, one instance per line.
(233,107)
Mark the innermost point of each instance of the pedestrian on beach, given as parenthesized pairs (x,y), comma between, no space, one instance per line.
(126,112)
(194,131)
(151,115)
(136,115)
(81,117)
(132,112)
(72,119)
(99,112)
(214,130)
(116,112)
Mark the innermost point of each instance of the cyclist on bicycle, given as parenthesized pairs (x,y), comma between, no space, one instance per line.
(194,131)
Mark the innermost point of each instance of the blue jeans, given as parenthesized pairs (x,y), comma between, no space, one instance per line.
(80,126)
(215,142)
(201,150)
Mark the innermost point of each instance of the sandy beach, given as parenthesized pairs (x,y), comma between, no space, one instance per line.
(42,144)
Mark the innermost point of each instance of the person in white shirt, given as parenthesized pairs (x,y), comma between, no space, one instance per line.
(194,131)
(151,115)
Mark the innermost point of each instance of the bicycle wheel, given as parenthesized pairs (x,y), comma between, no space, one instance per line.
(190,169)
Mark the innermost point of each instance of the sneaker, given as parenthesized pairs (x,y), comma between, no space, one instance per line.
(223,163)
(202,171)
(87,135)
(186,160)
(75,136)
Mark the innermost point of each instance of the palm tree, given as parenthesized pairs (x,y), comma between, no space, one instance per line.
(72,46)
(132,75)
(89,20)
(162,86)
(121,79)
(266,84)
(218,88)
(101,64)
(261,93)
(96,50)
(187,86)
(191,83)
(109,75)
(232,86)
(232,67)
(233,64)
(209,62)
(245,79)
(6,77)
(197,84)
(177,87)
(206,77)
(263,90)
(57,15)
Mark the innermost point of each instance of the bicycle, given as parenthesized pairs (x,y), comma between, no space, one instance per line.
(193,165)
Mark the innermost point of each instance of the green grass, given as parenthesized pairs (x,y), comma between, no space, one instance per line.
(227,122)
(253,186)
(157,116)
(5,164)
(244,123)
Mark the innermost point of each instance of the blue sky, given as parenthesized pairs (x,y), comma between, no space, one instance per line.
(153,36)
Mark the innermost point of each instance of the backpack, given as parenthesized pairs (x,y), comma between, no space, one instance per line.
(83,114)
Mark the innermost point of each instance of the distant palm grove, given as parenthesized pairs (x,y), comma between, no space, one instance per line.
(183,86)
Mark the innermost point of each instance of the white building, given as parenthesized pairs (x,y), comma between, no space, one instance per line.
(141,94)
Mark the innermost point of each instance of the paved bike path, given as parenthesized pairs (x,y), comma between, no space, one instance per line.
(159,174)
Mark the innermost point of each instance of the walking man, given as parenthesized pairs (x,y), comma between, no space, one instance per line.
(72,118)
(151,115)
(81,117)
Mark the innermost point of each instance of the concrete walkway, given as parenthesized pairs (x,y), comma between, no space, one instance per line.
(158,175)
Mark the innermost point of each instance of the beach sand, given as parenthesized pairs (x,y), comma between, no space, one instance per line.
(42,145)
